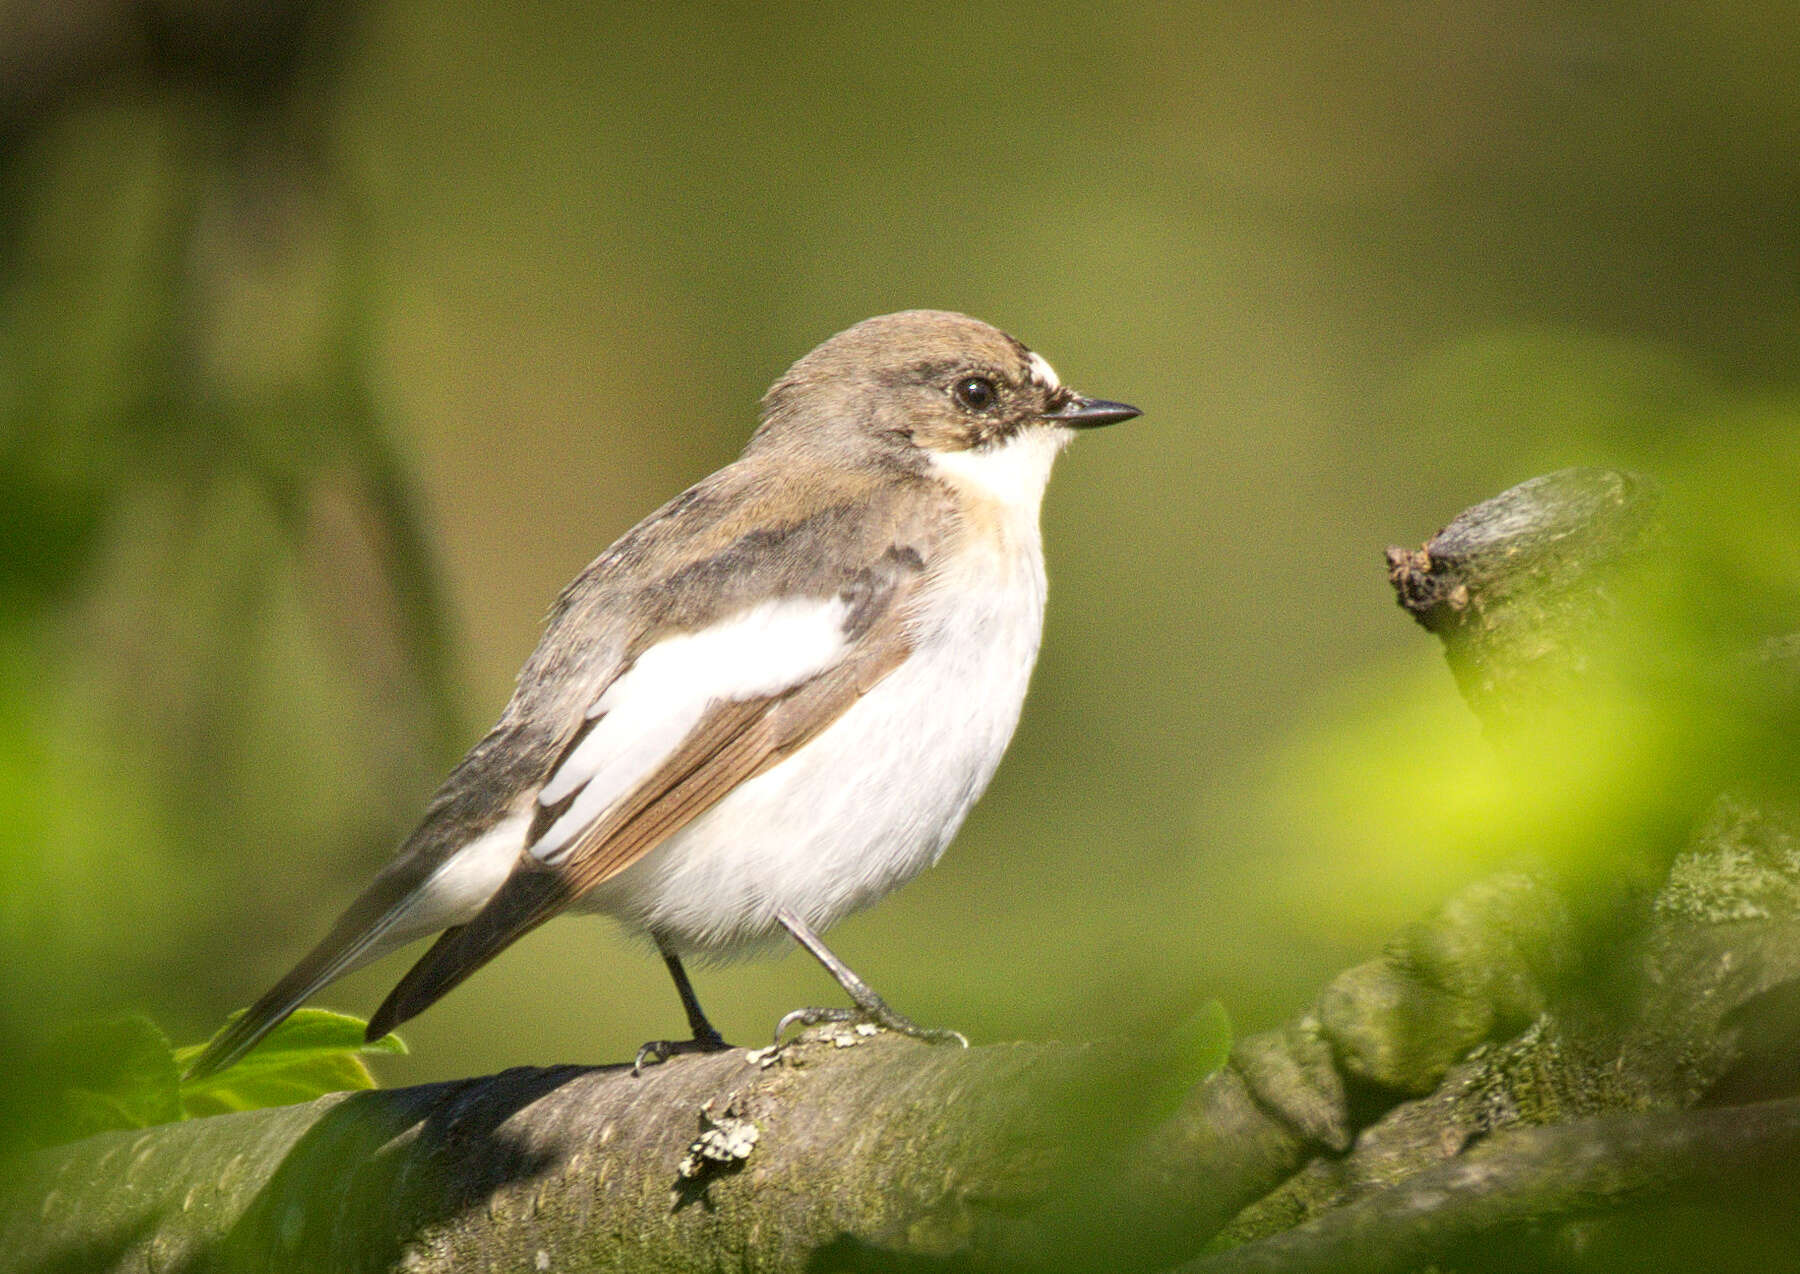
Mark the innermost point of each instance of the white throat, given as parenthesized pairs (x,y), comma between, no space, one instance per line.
(1013,474)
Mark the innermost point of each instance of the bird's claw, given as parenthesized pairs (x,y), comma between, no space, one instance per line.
(879,1015)
(657,1052)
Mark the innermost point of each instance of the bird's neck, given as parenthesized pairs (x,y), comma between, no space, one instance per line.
(1010,477)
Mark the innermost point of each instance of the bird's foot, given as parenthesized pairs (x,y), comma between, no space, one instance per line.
(876,1014)
(658,1051)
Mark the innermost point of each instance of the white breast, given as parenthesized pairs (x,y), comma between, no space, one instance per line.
(874,799)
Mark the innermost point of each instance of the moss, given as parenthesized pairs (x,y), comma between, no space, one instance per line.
(1745,865)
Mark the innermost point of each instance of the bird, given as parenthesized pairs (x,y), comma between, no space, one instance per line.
(769,704)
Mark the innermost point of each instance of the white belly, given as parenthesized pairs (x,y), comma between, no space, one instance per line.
(873,800)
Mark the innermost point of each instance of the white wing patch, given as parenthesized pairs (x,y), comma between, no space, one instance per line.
(645,714)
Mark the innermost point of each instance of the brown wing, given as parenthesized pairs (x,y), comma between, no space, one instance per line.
(733,742)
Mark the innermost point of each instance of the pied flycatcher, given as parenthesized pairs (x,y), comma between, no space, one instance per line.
(769,704)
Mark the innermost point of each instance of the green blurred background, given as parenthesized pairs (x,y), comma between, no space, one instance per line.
(334,341)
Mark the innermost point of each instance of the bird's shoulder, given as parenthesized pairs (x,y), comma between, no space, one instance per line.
(758,531)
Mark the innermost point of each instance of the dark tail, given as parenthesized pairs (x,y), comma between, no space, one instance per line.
(330,960)
(530,896)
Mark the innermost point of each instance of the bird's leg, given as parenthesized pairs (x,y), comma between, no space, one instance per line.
(705,1039)
(870,1007)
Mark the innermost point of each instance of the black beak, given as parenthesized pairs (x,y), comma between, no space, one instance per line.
(1091,413)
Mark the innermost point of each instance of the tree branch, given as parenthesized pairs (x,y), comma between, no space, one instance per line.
(1528,1175)
(1519,587)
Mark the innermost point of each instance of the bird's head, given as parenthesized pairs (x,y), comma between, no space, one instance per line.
(934,389)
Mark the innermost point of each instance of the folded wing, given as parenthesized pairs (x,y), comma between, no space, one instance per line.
(694,716)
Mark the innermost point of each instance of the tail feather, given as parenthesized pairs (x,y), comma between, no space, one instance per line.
(421,891)
(531,895)
(329,961)
(424,984)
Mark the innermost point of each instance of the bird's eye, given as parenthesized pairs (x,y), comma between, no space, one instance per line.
(977,393)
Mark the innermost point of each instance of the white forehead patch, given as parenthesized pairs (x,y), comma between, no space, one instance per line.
(1042,372)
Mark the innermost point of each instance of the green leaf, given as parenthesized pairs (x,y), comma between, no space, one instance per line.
(1196,1047)
(118,1073)
(312,1053)
(1204,1040)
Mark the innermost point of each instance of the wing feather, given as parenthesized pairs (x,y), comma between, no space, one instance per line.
(734,741)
